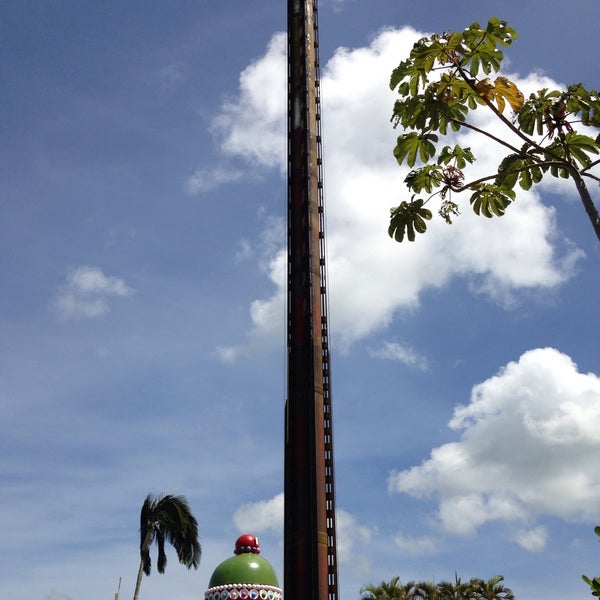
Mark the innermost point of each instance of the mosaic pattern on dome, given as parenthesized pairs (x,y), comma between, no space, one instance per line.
(243,592)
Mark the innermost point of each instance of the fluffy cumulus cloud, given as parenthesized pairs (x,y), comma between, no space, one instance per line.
(261,516)
(252,125)
(372,277)
(529,447)
(267,515)
(88,292)
(532,540)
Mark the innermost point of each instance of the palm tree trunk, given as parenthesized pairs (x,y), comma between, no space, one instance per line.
(138,583)
(145,548)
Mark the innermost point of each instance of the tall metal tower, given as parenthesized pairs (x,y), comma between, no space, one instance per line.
(310,560)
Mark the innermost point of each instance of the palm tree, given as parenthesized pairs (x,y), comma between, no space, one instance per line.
(475,589)
(167,518)
(458,590)
(491,589)
(424,590)
(393,590)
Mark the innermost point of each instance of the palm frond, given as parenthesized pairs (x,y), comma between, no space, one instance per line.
(168,519)
(162,557)
(147,563)
(180,529)
(146,533)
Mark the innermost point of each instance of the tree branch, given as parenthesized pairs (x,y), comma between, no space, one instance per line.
(590,166)
(528,140)
(490,135)
(469,185)
(591,176)
(588,203)
(470,82)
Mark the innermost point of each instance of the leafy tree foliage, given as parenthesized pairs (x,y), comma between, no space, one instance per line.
(446,78)
(594,582)
(167,519)
(393,590)
(474,589)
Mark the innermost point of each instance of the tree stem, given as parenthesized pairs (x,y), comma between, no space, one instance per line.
(588,203)
(138,582)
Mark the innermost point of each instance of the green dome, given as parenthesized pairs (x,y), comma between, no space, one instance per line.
(244,568)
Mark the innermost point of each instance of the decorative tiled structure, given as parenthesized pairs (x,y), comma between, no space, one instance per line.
(245,575)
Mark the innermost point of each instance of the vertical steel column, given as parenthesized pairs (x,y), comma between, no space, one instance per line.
(310,561)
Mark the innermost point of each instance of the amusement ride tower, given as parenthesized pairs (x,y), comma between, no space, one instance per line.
(310,560)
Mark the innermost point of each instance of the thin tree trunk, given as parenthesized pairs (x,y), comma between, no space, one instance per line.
(588,203)
(138,583)
(144,548)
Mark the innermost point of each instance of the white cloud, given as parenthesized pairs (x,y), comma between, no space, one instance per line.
(87,293)
(532,540)
(252,125)
(372,277)
(267,515)
(54,595)
(417,546)
(207,179)
(351,536)
(244,252)
(400,353)
(267,316)
(227,354)
(338,5)
(261,516)
(529,447)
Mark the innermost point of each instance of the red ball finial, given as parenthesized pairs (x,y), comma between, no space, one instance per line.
(247,544)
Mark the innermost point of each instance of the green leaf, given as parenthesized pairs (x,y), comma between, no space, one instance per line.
(399,73)
(580,146)
(408,219)
(593,583)
(427,178)
(525,179)
(557,171)
(536,174)
(532,115)
(459,155)
(489,200)
(410,145)
(517,167)
(475,64)
(583,103)
(508,171)
(454,42)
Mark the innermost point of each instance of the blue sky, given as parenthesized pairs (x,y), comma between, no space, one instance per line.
(141,320)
